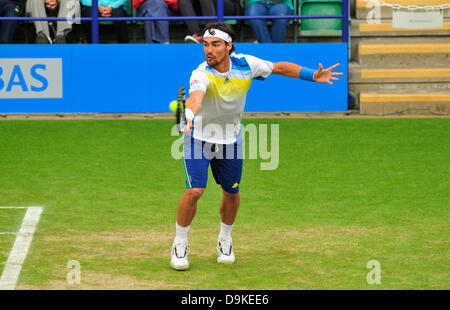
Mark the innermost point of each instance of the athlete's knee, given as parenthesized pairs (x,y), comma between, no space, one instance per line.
(195,193)
(231,196)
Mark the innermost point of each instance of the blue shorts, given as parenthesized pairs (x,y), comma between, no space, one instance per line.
(226,163)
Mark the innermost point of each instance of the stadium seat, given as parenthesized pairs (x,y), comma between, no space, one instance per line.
(320,27)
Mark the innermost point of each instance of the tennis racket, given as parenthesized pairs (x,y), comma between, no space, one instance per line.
(180,114)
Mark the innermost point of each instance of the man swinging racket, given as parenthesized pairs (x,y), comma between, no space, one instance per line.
(212,135)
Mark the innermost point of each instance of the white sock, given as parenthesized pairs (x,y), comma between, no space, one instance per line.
(182,232)
(225,231)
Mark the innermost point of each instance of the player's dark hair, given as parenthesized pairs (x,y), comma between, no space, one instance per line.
(223,27)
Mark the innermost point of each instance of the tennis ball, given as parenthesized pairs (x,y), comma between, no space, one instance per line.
(173,106)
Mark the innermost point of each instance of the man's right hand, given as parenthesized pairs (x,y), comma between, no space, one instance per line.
(188,128)
(193,103)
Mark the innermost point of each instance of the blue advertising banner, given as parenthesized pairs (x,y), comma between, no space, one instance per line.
(137,78)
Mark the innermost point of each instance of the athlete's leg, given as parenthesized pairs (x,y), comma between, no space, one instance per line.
(186,212)
(227,171)
(228,211)
(196,171)
(229,207)
(187,206)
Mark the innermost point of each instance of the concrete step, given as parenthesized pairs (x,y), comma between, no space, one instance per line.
(362,74)
(363,8)
(361,28)
(357,41)
(404,98)
(407,103)
(396,88)
(403,54)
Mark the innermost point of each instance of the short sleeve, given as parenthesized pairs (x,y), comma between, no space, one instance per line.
(198,81)
(261,69)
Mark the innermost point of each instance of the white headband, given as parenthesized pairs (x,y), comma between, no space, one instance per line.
(216,33)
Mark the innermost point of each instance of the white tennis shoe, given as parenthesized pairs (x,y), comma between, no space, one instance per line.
(225,252)
(180,253)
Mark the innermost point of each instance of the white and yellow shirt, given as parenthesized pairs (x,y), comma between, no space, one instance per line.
(219,119)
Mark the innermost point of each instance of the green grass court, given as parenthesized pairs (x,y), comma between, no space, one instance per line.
(346,191)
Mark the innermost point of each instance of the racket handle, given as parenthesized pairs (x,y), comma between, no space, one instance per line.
(181,127)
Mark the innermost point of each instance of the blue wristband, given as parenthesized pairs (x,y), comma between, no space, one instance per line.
(307,74)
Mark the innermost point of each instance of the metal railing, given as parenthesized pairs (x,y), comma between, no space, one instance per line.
(95,19)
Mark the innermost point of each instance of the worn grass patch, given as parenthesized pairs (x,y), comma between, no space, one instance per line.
(302,258)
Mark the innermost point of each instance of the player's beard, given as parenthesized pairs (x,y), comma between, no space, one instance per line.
(215,62)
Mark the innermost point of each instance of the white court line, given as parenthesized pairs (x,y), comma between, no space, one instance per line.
(20,248)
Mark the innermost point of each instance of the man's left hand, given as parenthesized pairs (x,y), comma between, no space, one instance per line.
(324,76)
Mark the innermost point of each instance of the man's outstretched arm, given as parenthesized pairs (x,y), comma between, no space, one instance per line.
(321,75)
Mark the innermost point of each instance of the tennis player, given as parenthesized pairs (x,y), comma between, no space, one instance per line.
(212,136)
